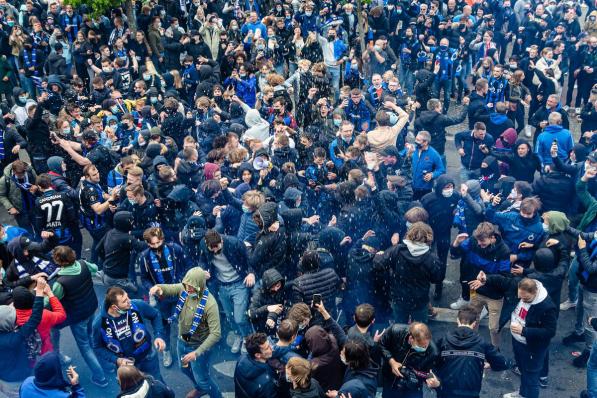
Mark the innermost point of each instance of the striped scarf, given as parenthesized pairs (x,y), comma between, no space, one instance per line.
(35,266)
(157,268)
(198,313)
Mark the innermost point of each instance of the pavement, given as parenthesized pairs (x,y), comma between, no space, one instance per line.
(564,380)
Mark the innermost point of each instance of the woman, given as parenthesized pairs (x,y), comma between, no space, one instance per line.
(134,384)
(518,94)
(547,62)
(312,49)
(298,373)
(360,379)
(484,69)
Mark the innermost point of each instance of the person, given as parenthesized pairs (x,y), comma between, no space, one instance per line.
(472,147)
(74,288)
(134,383)
(162,263)
(409,354)
(48,381)
(487,252)
(225,257)
(360,378)
(268,302)
(253,376)
(426,165)
(533,324)
(120,335)
(412,267)
(15,361)
(554,132)
(463,352)
(198,328)
(17,190)
(298,372)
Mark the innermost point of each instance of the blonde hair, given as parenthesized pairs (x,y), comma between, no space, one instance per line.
(177,79)
(300,371)
(253,199)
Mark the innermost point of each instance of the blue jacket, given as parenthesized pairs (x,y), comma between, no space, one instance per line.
(429,160)
(358,114)
(545,140)
(180,262)
(235,252)
(339,145)
(245,89)
(515,232)
(147,313)
(254,379)
(247,229)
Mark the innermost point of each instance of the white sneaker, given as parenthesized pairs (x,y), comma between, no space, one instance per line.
(243,349)
(577,111)
(514,394)
(566,305)
(167,359)
(459,304)
(238,342)
(566,108)
(483,314)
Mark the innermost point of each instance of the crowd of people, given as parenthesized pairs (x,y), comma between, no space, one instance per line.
(277,169)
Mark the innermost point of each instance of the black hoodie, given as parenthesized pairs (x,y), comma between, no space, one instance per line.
(464,353)
(441,208)
(264,297)
(119,248)
(270,247)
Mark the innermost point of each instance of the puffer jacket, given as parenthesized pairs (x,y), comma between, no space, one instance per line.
(321,281)
(435,123)
(270,247)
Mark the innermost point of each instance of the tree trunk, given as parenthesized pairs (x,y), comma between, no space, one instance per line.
(129,10)
(360,30)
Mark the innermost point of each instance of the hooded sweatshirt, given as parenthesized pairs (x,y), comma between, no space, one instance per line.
(208,332)
(48,380)
(521,312)
(258,128)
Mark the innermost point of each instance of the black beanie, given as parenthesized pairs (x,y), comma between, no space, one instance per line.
(22,298)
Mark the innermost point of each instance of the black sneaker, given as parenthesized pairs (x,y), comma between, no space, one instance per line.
(581,360)
(573,338)
(543,382)
(584,394)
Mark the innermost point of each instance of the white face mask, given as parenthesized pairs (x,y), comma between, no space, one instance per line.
(448,192)
(545,227)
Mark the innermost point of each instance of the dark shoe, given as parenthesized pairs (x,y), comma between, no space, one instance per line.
(543,382)
(515,370)
(582,359)
(437,294)
(573,338)
(584,394)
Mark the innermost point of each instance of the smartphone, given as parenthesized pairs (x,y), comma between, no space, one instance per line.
(317,299)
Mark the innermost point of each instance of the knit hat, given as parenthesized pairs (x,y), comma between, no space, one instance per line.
(155,131)
(55,164)
(48,372)
(22,298)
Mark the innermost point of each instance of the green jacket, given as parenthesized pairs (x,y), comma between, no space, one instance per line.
(589,202)
(10,194)
(208,333)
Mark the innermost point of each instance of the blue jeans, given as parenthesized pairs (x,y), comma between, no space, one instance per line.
(447,86)
(81,332)
(530,363)
(27,85)
(335,73)
(466,174)
(592,372)
(166,308)
(234,299)
(407,79)
(96,236)
(199,370)
(573,280)
(402,315)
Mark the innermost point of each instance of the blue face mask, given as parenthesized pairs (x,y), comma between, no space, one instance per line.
(443,48)
(337,122)
(416,348)
(246,209)
(393,119)
(121,312)
(4,238)
(132,201)
(154,100)
(114,109)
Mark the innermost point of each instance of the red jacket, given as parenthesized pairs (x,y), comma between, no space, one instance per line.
(49,319)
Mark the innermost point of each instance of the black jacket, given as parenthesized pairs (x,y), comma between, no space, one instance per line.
(394,344)
(523,169)
(270,247)
(411,275)
(473,156)
(264,297)
(464,353)
(118,248)
(322,281)
(154,388)
(435,123)
(441,208)
(235,252)
(477,111)
(556,191)
(587,271)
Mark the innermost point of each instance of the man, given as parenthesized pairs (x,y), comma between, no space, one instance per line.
(54,213)
(499,121)
(433,121)
(477,110)
(554,132)
(225,259)
(409,354)
(93,204)
(463,352)
(426,165)
(443,59)
(120,336)
(162,263)
(472,147)
(356,111)
(140,204)
(334,54)
(540,118)
(533,324)
(89,152)
(198,328)
(253,376)
(17,193)
(488,253)
(118,250)
(74,288)
(376,92)
(390,122)
(340,145)
(497,87)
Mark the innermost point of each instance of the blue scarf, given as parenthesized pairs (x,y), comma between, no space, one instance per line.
(35,266)
(2,156)
(31,61)
(198,313)
(459,219)
(157,269)
(27,197)
(138,332)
